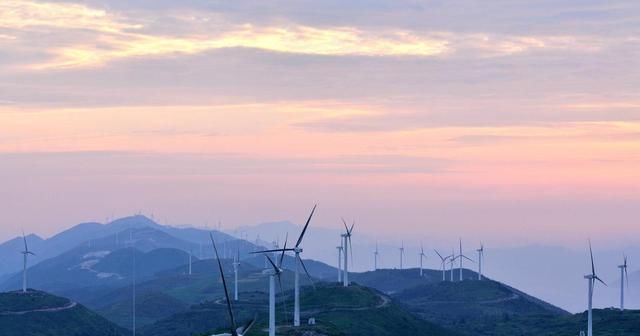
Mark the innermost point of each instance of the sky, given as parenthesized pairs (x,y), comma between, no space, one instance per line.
(514,122)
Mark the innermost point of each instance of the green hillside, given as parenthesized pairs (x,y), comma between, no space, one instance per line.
(150,307)
(40,314)
(173,292)
(360,311)
(352,311)
(392,281)
(474,307)
(606,322)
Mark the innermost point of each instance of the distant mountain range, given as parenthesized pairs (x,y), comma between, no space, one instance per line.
(99,272)
(394,302)
(550,273)
(140,230)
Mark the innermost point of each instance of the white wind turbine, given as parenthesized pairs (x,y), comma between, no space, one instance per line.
(190,266)
(347,248)
(236,264)
(462,256)
(480,259)
(375,258)
(25,254)
(274,272)
(133,293)
(443,264)
(235,331)
(624,278)
(452,261)
(422,255)
(298,262)
(339,248)
(401,254)
(592,281)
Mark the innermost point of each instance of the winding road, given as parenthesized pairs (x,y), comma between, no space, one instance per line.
(70,305)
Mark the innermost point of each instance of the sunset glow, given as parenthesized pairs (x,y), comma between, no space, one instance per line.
(277,110)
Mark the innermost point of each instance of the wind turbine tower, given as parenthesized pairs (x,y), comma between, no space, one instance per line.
(624,278)
(375,258)
(348,248)
(452,261)
(236,264)
(443,264)
(25,255)
(190,267)
(133,307)
(401,254)
(592,281)
(273,273)
(462,256)
(339,248)
(422,255)
(480,259)
(297,250)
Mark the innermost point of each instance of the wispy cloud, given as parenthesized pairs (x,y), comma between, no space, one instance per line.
(117,37)
(213,164)
(25,14)
(297,39)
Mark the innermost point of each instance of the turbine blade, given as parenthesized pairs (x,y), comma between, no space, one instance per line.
(245,329)
(24,239)
(304,267)
(284,302)
(270,251)
(439,255)
(224,284)
(275,268)
(305,226)
(471,260)
(345,225)
(626,274)
(280,284)
(283,250)
(351,248)
(593,267)
(597,278)
(352,225)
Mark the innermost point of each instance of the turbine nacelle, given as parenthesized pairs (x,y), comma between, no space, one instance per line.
(271,271)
